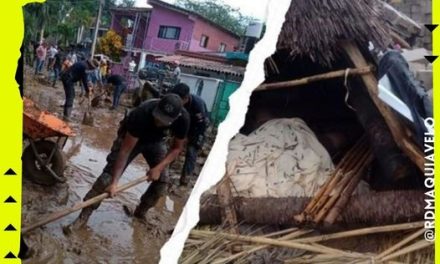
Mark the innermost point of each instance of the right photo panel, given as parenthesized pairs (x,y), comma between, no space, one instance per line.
(334,163)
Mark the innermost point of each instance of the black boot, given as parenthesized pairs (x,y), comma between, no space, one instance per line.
(67,113)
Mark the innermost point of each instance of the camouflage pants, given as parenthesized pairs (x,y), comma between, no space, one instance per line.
(153,153)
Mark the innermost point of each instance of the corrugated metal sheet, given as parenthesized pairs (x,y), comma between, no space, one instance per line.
(204,64)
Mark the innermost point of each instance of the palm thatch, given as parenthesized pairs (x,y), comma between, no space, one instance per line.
(401,243)
(313,28)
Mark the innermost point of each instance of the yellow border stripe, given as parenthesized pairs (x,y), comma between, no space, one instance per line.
(12,30)
(436,92)
(11,19)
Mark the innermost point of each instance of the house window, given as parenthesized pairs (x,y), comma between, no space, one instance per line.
(222,47)
(127,22)
(167,32)
(204,41)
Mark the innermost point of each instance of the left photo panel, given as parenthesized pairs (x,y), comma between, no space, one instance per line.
(121,103)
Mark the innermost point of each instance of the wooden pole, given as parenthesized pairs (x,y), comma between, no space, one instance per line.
(370,209)
(57,215)
(229,216)
(346,193)
(400,40)
(325,76)
(361,232)
(275,242)
(258,248)
(400,244)
(370,81)
(95,35)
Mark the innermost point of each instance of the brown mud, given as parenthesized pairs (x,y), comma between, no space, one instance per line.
(111,236)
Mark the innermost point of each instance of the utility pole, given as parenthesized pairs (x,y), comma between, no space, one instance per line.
(98,20)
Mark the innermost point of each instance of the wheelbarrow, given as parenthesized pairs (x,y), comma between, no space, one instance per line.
(43,159)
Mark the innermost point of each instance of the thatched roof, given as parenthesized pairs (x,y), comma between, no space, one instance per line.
(313,28)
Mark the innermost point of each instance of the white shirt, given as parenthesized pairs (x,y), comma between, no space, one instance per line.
(52,52)
(177,72)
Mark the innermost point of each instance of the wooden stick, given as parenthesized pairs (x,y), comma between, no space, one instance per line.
(275,242)
(370,81)
(416,246)
(315,78)
(348,191)
(400,244)
(399,40)
(229,216)
(362,231)
(257,248)
(352,170)
(81,205)
(345,166)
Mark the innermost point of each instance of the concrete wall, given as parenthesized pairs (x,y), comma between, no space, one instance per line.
(216,36)
(208,91)
(163,17)
(420,11)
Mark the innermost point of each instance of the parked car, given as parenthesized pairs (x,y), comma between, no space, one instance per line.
(101,57)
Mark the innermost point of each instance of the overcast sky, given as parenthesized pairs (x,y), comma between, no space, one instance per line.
(254,8)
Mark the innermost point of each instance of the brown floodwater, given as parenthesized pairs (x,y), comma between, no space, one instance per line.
(111,236)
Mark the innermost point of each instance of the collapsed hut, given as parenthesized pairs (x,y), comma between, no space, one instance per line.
(325,72)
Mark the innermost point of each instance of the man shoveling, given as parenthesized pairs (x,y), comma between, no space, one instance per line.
(142,131)
(77,72)
(198,113)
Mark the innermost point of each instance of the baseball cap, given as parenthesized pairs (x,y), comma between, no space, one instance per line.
(168,109)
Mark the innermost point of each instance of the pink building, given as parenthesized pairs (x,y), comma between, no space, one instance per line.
(165,28)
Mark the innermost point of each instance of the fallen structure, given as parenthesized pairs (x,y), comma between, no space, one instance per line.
(327,76)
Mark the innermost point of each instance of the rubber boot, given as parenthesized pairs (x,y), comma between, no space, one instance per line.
(80,222)
(67,113)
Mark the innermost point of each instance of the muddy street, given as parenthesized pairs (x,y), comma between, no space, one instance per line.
(111,236)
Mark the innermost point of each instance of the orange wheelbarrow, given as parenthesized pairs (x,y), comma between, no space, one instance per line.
(43,159)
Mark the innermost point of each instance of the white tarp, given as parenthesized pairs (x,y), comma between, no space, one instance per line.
(281,158)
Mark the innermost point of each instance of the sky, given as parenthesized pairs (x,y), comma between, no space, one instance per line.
(254,8)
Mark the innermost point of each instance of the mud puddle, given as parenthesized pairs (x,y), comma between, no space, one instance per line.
(111,236)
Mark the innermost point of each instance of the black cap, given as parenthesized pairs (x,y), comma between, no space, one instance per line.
(168,109)
(181,89)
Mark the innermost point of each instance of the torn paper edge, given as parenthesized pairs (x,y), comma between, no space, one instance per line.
(214,168)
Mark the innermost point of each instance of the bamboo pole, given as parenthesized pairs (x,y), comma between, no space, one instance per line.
(57,215)
(293,235)
(345,195)
(370,81)
(416,246)
(353,169)
(400,244)
(344,166)
(315,78)
(362,231)
(275,242)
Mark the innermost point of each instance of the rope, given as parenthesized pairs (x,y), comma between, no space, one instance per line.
(347,95)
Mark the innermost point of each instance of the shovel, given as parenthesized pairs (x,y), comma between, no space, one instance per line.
(88,115)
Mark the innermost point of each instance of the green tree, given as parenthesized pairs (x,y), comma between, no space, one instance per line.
(220,13)
(60,19)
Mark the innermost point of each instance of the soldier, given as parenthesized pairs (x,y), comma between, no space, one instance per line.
(198,113)
(142,131)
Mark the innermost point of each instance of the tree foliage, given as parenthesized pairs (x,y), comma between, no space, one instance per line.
(60,19)
(110,44)
(219,13)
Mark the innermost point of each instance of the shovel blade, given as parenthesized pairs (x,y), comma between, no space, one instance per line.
(88,119)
